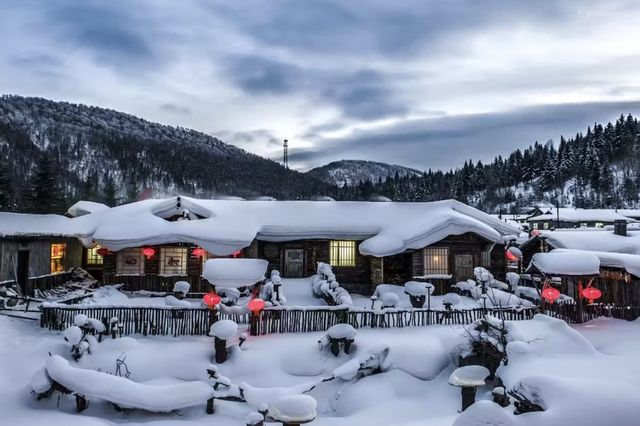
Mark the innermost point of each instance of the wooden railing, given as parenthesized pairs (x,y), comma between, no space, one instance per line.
(175,321)
(44,282)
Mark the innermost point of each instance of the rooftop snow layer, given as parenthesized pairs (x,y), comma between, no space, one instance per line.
(86,207)
(567,263)
(592,239)
(230,225)
(628,262)
(582,215)
(227,273)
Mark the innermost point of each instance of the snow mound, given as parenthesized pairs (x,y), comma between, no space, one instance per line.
(223,329)
(234,272)
(469,375)
(171,300)
(72,334)
(181,287)
(389,300)
(294,409)
(484,413)
(125,393)
(40,381)
(416,288)
(342,331)
(564,263)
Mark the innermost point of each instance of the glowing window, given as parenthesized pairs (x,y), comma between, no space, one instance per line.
(57,258)
(93,258)
(173,260)
(535,225)
(130,262)
(545,225)
(436,261)
(342,253)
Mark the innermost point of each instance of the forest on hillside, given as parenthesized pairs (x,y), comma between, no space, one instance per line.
(599,168)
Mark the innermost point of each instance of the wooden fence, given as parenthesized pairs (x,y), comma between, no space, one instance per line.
(44,282)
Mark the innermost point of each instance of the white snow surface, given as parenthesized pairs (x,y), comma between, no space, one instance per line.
(124,392)
(628,262)
(342,331)
(592,239)
(469,376)
(230,225)
(181,287)
(567,263)
(234,273)
(224,329)
(566,214)
(82,208)
(294,408)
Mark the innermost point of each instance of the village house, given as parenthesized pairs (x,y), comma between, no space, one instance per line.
(565,217)
(616,247)
(153,243)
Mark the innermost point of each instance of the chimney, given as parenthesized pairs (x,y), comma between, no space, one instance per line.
(620,228)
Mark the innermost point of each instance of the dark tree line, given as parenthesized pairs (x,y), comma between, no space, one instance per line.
(599,168)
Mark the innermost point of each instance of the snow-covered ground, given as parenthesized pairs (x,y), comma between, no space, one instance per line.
(585,375)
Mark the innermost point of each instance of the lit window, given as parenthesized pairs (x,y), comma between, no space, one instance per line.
(173,260)
(130,262)
(57,258)
(535,225)
(545,225)
(342,253)
(583,225)
(436,261)
(599,225)
(93,258)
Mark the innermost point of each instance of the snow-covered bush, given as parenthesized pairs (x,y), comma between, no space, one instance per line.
(493,297)
(181,288)
(487,341)
(222,331)
(389,300)
(324,285)
(513,279)
(339,335)
(81,335)
(451,300)
(171,300)
(271,291)
(293,409)
(418,292)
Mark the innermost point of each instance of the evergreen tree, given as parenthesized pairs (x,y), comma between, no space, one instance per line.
(44,194)
(6,191)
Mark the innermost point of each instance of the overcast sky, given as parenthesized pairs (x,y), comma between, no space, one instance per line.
(419,83)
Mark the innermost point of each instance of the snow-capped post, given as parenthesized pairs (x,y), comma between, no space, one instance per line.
(449,301)
(114,326)
(180,289)
(340,335)
(254,419)
(222,331)
(255,305)
(468,378)
(293,410)
(389,300)
(373,300)
(418,293)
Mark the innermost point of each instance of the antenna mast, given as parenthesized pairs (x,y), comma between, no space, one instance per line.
(285,158)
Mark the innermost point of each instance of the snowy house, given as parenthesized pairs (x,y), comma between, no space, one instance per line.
(576,218)
(34,249)
(153,243)
(617,249)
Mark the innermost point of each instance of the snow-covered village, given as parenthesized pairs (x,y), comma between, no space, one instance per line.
(320,212)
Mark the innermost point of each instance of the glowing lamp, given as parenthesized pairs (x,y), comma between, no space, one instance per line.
(511,257)
(198,252)
(256,305)
(591,293)
(102,251)
(236,253)
(513,254)
(211,299)
(148,252)
(550,294)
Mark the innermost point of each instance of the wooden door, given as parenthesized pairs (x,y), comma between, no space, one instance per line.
(293,263)
(463,267)
(22,269)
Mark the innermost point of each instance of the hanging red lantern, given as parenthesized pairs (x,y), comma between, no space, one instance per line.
(236,253)
(198,252)
(102,251)
(591,294)
(256,305)
(550,294)
(513,254)
(211,299)
(148,252)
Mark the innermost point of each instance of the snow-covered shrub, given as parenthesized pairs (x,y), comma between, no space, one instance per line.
(254,419)
(451,300)
(80,335)
(484,413)
(493,297)
(389,300)
(513,279)
(487,341)
(171,300)
(230,295)
(271,291)
(293,409)
(418,292)
(324,285)
(339,335)
(181,288)
(222,331)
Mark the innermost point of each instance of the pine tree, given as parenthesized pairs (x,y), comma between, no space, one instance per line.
(44,194)
(6,191)
(109,192)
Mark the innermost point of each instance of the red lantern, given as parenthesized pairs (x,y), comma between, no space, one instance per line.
(535,233)
(550,294)
(148,252)
(102,251)
(211,299)
(236,253)
(198,252)
(591,293)
(513,254)
(256,305)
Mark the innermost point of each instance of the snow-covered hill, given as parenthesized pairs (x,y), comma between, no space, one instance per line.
(353,172)
(93,149)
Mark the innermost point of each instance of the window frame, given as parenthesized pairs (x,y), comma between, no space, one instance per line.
(57,259)
(93,258)
(435,261)
(342,253)
(180,253)
(123,269)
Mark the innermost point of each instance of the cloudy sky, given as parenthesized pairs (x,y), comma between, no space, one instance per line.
(419,83)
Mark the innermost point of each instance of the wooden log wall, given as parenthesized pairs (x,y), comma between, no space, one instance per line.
(46,282)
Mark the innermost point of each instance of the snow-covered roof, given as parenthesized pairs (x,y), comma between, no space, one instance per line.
(628,262)
(86,207)
(566,263)
(592,239)
(565,214)
(229,225)
(234,272)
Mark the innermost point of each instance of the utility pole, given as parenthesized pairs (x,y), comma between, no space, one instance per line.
(285,157)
